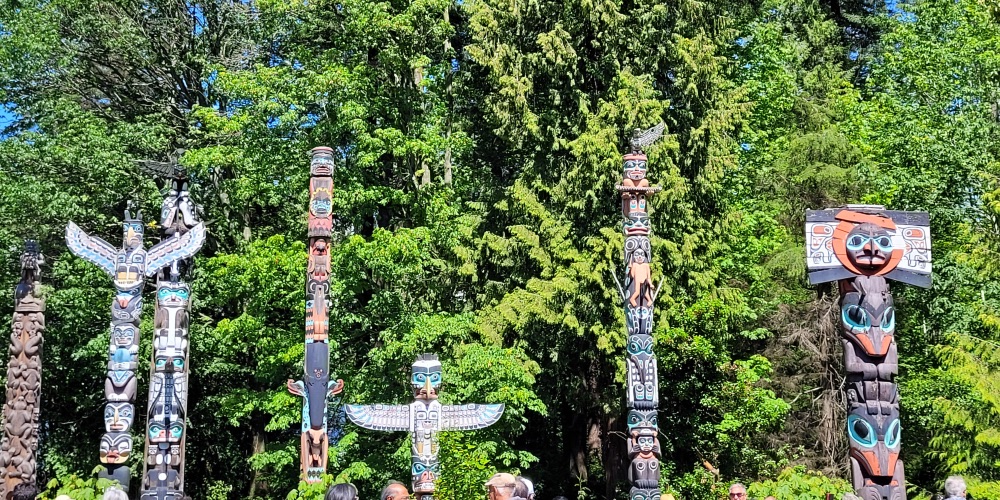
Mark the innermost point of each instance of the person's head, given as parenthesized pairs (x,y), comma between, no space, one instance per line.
(501,486)
(529,485)
(395,490)
(520,488)
(954,486)
(737,492)
(114,494)
(25,491)
(342,491)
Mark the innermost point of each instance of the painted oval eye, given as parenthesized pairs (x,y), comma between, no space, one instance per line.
(435,378)
(642,202)
(650,389)
(633,420)
(121,259)
(861,431)
(418,468)
(856,242)
(109,412)
(889,320)
(176,429)
(639,466)
(892,434)
(125,412)
(884,243)
(420,378)
(654,464)
(161,362)
(630,164)
(155,430)
(855,319)
(633,347)
(178,362)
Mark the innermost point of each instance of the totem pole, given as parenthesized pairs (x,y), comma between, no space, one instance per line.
(24,377)
(316,387)
(163,468)
(424,418)
(862,246)
(638,294)
(128,267)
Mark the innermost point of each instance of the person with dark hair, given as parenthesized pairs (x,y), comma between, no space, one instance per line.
(395,490)
(342,491)
(25,491)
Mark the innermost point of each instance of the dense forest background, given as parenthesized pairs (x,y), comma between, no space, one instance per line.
(478,146)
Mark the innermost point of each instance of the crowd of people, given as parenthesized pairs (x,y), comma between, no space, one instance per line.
(502,486)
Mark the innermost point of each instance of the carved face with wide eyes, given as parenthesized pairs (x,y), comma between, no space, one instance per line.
(169,363)
(423,474)
(426,377)
(642,422)
(173,296)
(635,167)
(118,416)
(869,246)
(874,441)
(115,447)
(132,232)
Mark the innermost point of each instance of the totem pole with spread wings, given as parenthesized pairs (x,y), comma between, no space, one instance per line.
(424,418)
(862,247)
(128,268)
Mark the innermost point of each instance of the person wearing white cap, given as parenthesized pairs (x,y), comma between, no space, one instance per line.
(529,488)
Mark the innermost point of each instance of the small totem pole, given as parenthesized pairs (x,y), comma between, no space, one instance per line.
(24,377)
(163,468)
(424,418)
(128,267)
(638,294)
(862,246)
(316,385)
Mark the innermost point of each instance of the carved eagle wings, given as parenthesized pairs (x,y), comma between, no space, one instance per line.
(398,417)
(91,248)
(469,417)
(380,417)
(173,249)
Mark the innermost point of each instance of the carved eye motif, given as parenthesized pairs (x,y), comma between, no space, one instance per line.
(856,319)
(861,431)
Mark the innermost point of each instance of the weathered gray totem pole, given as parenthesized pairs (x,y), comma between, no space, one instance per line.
(861,247)
(638,294)
(316,387)
(424,418)
(163,467)
(128,267)
(24,377)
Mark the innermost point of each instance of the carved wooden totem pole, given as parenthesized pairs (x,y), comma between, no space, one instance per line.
(128,267)
(424,418)
(862,247)
(316,387)
(163,467)
(639,294)
(24,377)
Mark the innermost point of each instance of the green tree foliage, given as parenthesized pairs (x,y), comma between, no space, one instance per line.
(477,147)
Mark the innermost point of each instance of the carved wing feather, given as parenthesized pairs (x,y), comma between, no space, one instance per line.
(380,417)
(91,248)
(174,249)
(648,136)
(469,417)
